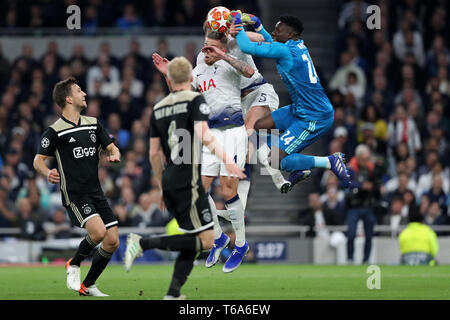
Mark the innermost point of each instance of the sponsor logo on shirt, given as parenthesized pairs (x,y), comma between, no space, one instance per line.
(80,152)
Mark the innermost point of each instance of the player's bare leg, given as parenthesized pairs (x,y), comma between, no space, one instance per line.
(264,155)
(255,113)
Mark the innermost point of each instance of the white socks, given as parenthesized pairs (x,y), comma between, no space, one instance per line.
(237,219)
(263,157)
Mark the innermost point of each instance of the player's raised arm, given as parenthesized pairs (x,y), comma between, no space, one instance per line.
(253,36)
(244,68)
(250,19)
(161,65)
(272,50)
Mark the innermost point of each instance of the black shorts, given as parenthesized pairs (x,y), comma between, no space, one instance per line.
(83,207)
(190,207)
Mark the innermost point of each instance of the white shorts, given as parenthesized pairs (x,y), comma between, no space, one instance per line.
(264,95)
(235,144)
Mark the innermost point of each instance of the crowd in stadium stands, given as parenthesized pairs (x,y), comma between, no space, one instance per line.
(125,15)
(390,92)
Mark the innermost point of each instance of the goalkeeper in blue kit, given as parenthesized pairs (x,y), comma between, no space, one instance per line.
(310,115)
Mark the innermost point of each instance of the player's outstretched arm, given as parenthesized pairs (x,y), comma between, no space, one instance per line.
(204,133)
(160,64)
(253,36)
(274,50)
(256,23)
(41,167)
(244,68)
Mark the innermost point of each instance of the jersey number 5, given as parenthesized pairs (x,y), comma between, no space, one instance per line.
(311,70)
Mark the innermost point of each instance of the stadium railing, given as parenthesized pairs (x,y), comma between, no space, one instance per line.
(250,230)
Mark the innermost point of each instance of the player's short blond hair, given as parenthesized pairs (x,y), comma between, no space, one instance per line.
(179,70)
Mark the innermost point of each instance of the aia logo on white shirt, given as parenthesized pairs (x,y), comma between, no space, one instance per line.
(208,86)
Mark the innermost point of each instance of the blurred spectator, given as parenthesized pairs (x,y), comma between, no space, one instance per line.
(401,128)
(30,224)
(148,210)
(8,217)
(163,49)
(103,79)
(4,67)
(90,21)
(137,61)
(426,180)
(121,136)
(79,55)
(397,216)
(352,10)
(409,204)
(418,242)
(406,40)
(333,206)
(107,183)
(190,52)
(59,227)
(400,183)
(437,48)
(158,13)
(127,198)
(130,21)
(313,216)
(127,109)
(340,77)
(353,87)
(122,216)
(434,215)
(188,13)
(39,197)
(361,200)
(346,144)
(437,195)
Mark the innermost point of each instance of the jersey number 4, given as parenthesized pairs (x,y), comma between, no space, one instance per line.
(311,70)
(173,140)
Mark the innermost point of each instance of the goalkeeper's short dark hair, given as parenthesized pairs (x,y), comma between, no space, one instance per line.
(292,22)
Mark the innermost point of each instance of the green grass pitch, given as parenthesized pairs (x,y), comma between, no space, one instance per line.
(255,282)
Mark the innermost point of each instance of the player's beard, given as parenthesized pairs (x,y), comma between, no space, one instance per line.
(210,62)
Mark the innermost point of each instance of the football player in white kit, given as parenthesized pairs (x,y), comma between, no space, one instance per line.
(218,77)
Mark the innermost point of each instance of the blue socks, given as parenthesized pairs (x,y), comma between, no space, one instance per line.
(297,161)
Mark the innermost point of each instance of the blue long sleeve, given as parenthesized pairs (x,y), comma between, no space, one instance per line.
(274,50)
(265,34)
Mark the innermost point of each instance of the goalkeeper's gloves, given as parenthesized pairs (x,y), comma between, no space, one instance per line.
(249,18)
(235,14)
